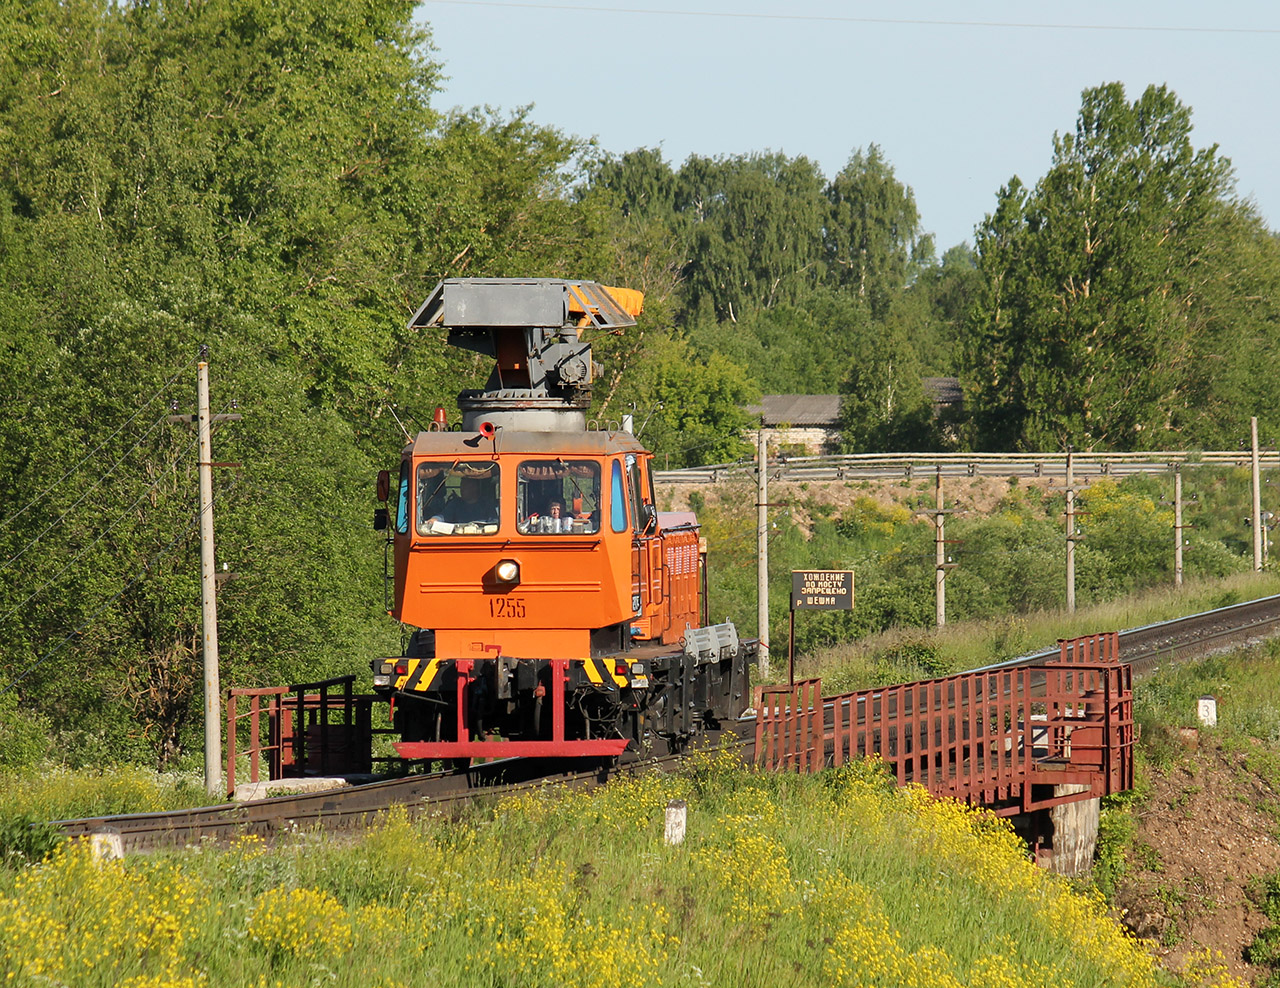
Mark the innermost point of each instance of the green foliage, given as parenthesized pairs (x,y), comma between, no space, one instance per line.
(1116,829)
(883,404)
(25,839)
(275,183)
(48,792)
(872,234)
(1009,564)
(1103,310)
(803,347)
(810,285)
(24,734)
(754,228)
(698,414)
(773,865)
(1264,949)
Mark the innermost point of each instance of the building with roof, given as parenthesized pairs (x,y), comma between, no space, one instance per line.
(806,425)
(809,425)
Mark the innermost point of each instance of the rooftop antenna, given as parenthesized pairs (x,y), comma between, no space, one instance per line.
(392,409)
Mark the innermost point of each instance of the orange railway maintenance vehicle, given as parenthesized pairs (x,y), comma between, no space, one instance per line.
(558,611)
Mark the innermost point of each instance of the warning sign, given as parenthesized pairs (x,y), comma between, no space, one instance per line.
(822,590)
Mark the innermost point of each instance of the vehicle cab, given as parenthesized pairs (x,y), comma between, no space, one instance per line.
(527,544)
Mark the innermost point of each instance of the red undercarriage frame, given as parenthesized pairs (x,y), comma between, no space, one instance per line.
(556,747)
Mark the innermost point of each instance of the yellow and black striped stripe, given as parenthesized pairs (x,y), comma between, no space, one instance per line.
(423,675)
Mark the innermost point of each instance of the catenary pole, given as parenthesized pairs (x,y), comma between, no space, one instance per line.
(208,591)
(1071,536)
(1177,525)
(940,553)
(1257,494)
(762,552)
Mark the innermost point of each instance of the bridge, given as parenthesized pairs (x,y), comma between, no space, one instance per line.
(1022,740)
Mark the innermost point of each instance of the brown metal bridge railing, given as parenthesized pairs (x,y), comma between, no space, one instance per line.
(1005,738)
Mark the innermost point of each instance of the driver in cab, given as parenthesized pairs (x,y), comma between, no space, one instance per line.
(475,502)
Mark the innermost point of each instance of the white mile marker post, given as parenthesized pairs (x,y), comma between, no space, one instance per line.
(677,813)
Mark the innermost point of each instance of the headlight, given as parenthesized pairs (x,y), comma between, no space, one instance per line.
(381,680)
(507,571)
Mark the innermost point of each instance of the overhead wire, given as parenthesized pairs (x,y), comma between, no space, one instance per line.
(846,19)
(75,504)
(102,445)
(120,516)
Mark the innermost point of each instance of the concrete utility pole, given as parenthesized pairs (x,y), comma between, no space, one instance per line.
(1256,523)
(208,592)
(940,547)
(762,551)
(940,551)
(1071,537)
(1177,525)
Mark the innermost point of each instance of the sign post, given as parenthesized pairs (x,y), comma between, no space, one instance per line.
(816,590)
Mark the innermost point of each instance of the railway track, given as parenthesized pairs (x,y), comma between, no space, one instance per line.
(1146,648)
(1152,646)
(355,807)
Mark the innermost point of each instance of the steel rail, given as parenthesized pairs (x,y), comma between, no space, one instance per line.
(355,807)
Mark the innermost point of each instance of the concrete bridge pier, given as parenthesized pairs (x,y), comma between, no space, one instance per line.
(1064,837)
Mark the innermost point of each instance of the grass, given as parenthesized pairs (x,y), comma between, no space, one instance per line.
(828,880)
(52,792)
(837,879)
(32,797)
(1246,684)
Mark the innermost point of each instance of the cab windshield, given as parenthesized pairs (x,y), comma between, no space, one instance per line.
(558,497)
(459,498)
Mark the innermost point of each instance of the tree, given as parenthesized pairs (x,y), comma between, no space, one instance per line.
(271,181)
(639,183)
(883,405)
(1086,330)
(804,346)
(754,231)
(947,290)
(694,406)
(1236,319)
(872,235)
(632,199)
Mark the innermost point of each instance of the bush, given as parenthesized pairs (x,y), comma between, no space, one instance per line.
(25,839)
(24,734)
(1115,837)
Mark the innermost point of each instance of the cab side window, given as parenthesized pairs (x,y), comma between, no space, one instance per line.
(617,499)
(402,501)
(642,510)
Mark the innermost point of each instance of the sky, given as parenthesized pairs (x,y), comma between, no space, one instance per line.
(959,97)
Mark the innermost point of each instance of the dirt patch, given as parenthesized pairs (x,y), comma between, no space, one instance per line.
(1208,830)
